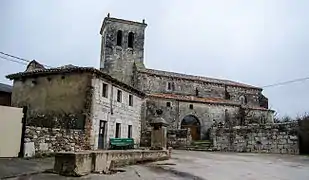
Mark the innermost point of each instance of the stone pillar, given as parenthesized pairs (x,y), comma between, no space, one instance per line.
(159,132)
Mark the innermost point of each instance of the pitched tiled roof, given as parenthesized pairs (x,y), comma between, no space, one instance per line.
(71,69)
(208,100)
(195,78)
(5,88)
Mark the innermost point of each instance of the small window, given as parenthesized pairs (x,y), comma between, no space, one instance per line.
(168,104)
(196,92)
(191,106)
(243,99)
(170,86)
(119,96)
(226,93)
(105,90)
(130,40)
(118,130)
(130,131)
(130,100)
(119,38)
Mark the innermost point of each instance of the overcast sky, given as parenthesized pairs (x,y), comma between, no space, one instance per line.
(258,42)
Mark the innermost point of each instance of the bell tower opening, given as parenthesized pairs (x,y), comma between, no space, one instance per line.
(122,47)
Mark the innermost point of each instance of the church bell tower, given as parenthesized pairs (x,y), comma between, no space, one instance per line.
(122,47)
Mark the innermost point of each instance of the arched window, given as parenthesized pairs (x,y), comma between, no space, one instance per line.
(130,40)
(119,38)
(243,99)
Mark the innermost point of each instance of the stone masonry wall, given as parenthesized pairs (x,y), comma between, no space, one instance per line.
(207,114)
(265,138)
(118,61)
(50,140)
(109,110)
(177,138)
(158,84)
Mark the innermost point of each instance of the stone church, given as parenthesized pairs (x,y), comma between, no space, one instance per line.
(187,101)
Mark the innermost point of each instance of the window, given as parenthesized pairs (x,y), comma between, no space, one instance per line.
(130,40)
(191,106)
(226,94)
(130,131)
(118,130)
(105,90)
(170,86)
(168,104)
(243,99)
(119,96)
(130,100)
(196,92)
(119,38)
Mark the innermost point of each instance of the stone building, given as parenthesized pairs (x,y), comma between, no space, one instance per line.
(90,104)
(187,101)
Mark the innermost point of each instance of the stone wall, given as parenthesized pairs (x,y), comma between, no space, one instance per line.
(151,83)
(50,140)
(265,138)
(177,138)
(56,93)
(110,110)
(206,113)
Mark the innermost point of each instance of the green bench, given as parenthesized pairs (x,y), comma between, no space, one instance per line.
(121,143)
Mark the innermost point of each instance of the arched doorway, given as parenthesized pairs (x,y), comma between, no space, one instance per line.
(192,123)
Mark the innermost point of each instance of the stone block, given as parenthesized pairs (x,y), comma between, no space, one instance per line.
(29,150)
(73,164)
(283,151)
(43,147)
(293,137)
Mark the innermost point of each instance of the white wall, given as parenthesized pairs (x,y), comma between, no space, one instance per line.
(10,130)
(122,113)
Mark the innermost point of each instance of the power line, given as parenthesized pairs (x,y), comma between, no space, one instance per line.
(25,60)
(20,59)
(12,60)
(286,82)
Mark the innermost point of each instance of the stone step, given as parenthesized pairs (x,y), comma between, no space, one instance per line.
(202,142)
(197,149)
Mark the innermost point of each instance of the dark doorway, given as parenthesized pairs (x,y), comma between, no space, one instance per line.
(102,130)
(191,122)
(130,131)
(118,130)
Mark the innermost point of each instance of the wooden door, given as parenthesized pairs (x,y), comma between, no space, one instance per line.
(194,133)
